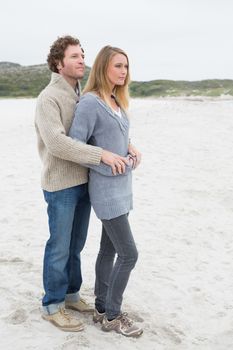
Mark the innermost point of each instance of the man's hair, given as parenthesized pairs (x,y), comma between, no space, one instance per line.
(57,51)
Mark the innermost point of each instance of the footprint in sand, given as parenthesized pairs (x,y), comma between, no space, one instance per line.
(174,334)
(17,317)
(136,317)
(76,343)
(221,314)
(11,261)
(4,221)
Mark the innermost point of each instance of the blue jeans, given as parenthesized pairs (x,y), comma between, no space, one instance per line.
(68,214)
(112,278)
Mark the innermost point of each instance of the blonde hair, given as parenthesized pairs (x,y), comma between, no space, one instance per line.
(98,81)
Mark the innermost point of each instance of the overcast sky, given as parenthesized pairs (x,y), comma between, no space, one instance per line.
(165,39)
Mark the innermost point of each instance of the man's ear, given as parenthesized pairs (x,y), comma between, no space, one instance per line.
(59,65)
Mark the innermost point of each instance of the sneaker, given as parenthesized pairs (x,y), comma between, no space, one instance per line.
(98,316)
(122,324)
(64,321)
(81,306)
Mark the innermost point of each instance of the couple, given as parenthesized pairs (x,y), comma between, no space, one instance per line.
(73,137)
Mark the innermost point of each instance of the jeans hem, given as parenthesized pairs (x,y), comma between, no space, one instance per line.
(72,297)
(53,308)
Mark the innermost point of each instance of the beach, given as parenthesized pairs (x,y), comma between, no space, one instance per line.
(181,290)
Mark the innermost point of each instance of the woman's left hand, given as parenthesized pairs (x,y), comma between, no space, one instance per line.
(136,154)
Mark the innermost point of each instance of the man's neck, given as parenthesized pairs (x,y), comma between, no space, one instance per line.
(73,82)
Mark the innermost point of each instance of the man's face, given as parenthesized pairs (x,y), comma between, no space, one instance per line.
(73,66)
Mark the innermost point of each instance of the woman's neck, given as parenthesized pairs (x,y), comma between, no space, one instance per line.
(110,99)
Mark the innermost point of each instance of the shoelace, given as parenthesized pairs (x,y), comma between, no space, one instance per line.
(65,314)
(126,321)
(83,301)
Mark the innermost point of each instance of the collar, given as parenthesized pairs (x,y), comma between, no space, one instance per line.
(57,79)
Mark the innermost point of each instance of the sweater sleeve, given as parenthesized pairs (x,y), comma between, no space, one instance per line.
(106,169)
(82,129)
(50,127)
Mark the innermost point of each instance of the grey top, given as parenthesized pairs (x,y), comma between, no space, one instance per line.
(96,123)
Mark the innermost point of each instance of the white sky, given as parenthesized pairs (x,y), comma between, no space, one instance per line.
(165,39)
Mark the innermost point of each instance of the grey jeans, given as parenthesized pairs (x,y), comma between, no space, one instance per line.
(112,278)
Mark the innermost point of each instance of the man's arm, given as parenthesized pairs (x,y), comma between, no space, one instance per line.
(106,170)
(50,127)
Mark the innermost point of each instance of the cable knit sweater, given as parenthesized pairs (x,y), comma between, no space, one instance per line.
(59,153)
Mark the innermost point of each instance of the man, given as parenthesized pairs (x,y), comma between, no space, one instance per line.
(64,183)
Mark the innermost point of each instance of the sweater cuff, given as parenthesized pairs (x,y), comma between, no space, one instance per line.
(95,157)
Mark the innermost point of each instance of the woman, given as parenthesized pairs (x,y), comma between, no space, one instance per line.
(101,120)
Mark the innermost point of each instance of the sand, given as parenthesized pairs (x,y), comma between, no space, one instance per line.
(181,290)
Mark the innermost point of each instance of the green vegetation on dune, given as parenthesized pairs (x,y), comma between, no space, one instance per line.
(18,81)
(158,88)
(28,81)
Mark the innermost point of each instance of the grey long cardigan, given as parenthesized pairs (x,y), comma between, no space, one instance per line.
(96,124)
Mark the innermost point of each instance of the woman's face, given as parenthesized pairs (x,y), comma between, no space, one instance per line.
(117,70)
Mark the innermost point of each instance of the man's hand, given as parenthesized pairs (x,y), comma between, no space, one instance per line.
(135,154)
(116,162)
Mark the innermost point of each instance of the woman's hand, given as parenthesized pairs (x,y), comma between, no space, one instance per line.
(132,161)
(135,154)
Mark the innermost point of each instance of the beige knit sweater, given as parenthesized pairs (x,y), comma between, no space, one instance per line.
(59,153)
